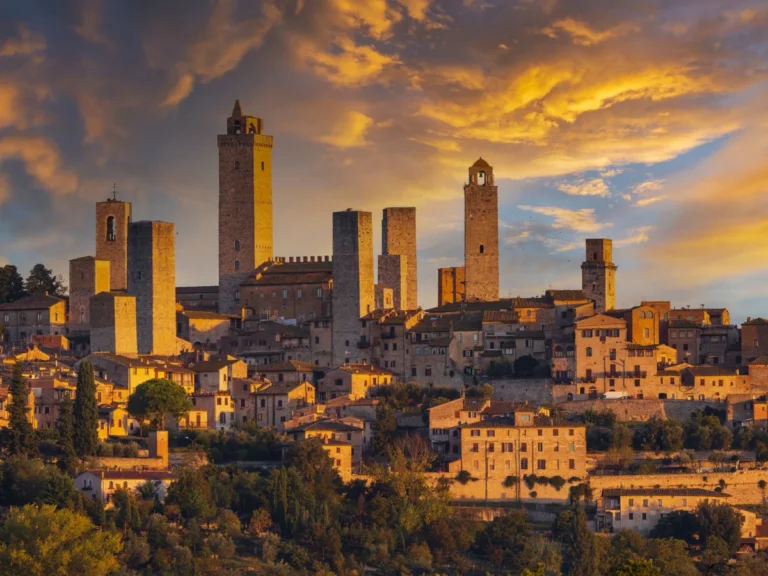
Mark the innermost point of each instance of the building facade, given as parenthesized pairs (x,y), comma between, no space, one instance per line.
(398,238)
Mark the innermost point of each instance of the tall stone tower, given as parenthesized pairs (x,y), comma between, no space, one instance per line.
(398,238)
(113,219)
(353,291)
(450,285)
(87,276)
(152,280)
(481,234)
(245,204)
(598,274)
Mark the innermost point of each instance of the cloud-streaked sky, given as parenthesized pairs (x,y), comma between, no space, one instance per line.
(643,121)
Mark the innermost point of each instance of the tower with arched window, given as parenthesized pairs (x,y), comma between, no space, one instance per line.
(481,234)
(598,274)
(113,218)
(245,204)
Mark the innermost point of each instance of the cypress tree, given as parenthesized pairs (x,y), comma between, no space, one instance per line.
(66,426)
(85,412)
(21,430)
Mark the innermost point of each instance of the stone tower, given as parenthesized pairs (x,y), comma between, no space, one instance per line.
(393,275)
(353,291)
(152,280)
(481,234)
(598,274)
(87,276)
(113,323)
(245,204)
(450,285)
(398,238)
(113,219)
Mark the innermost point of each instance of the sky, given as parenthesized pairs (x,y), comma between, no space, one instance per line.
(643,121)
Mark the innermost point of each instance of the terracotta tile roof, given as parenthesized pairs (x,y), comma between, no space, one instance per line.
(212,365)
(326,425)
(364,369)
(756,322)
(196,313)
(618,492)
(682,323)
(566,295)
(500,316)
(287,366)
(759,361)
(131,474)
(36,302)
(279,388)
(599,320)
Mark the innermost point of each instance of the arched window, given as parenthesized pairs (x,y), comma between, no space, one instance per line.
(237,245)
(481,178)
(111,228)
(237,265)
(570,396)
(589,351)
(482,249)
(237,165)
(82,317)
(237,295)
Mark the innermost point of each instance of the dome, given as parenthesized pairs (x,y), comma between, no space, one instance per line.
(480,163)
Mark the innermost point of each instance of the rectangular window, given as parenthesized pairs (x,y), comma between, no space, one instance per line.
(541,464)
(490,432)
(298,293)
(524,447)
(631,516)
(631,501)
(523,463)
(571,447)
(571,464)
(645,516)
(474,432)
(540,446)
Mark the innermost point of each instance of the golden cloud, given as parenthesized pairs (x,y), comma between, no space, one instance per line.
(582,220)
(28,43)
(347,63)
(349,131)
(581,187)
(42,162)
(584,35)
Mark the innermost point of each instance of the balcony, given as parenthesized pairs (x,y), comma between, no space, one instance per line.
(562,381)
(637,374)
(589,380)
(388,335)
(363,343)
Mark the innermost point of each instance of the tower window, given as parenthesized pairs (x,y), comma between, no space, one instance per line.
(237,265)
(237,295)
(237,165)
(111,228)
(594,256)
(237,245)
(593,287)
(482,249)
(262,165)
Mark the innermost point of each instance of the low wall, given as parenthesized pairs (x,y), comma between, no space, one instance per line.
(532,390)
(740,485)
(115,463)
(636,410)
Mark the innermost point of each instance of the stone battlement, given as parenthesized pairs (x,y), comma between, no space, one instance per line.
(292,259)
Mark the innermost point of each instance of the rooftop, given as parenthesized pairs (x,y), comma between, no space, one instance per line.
(287,366)
(619,492)
(35,302)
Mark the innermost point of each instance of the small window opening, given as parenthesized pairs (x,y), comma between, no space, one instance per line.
(111,229)
(482,249)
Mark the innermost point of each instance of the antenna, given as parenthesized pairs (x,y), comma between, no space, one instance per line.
(114,191)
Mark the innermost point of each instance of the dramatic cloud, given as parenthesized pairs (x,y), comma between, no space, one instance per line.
(648,186)
(582,220)
(648,201)
(594,187)
(349,132)
(27,43)
(42,161)
(637,236)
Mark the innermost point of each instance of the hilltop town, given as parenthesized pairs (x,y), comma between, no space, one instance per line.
(538,402)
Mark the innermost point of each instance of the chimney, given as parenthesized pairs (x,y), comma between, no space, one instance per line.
(311,258)
(290,258)
(306,259)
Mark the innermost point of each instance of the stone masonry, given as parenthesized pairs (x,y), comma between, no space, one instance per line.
(113,218)
(450,285)
(398,237)
(598,274)
(113,323)
(152,280)
(481,234)
(245,204)
(393,273)
(87,276)
(353,292)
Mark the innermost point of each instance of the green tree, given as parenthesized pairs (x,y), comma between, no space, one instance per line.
(66,428)
(22,434)
(11,284)
(156,399)
(524,366)
(719,521)
(505,541)
(677,524)
(671,556)
(581,554)
(27,480)
(762,485)
(384,429)
(49,542)
(191,492)
(637,568)
(42,280)
(85,412)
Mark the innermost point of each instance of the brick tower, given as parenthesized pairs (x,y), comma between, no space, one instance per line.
(353,291)
(87,276)
(481,234)
(245,204)
(152,280)
(598,274)
(113,219)
(398,238)
(113,323)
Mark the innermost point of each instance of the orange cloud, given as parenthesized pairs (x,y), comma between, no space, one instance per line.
(594,187)
(582,220)
(28,43)
(584,35)
(347,63)
(42,162)
(349,131)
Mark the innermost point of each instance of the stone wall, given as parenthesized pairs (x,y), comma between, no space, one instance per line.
(87,276)
(114,247)
(117,463)
(113,323)
(635,410)
(598,274)
(398,237)
(450,285)
(393,274)
(152,279)
(531,390)
(353,292)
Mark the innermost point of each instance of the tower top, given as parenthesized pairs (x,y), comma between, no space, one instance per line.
(240,123)
(481,173)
